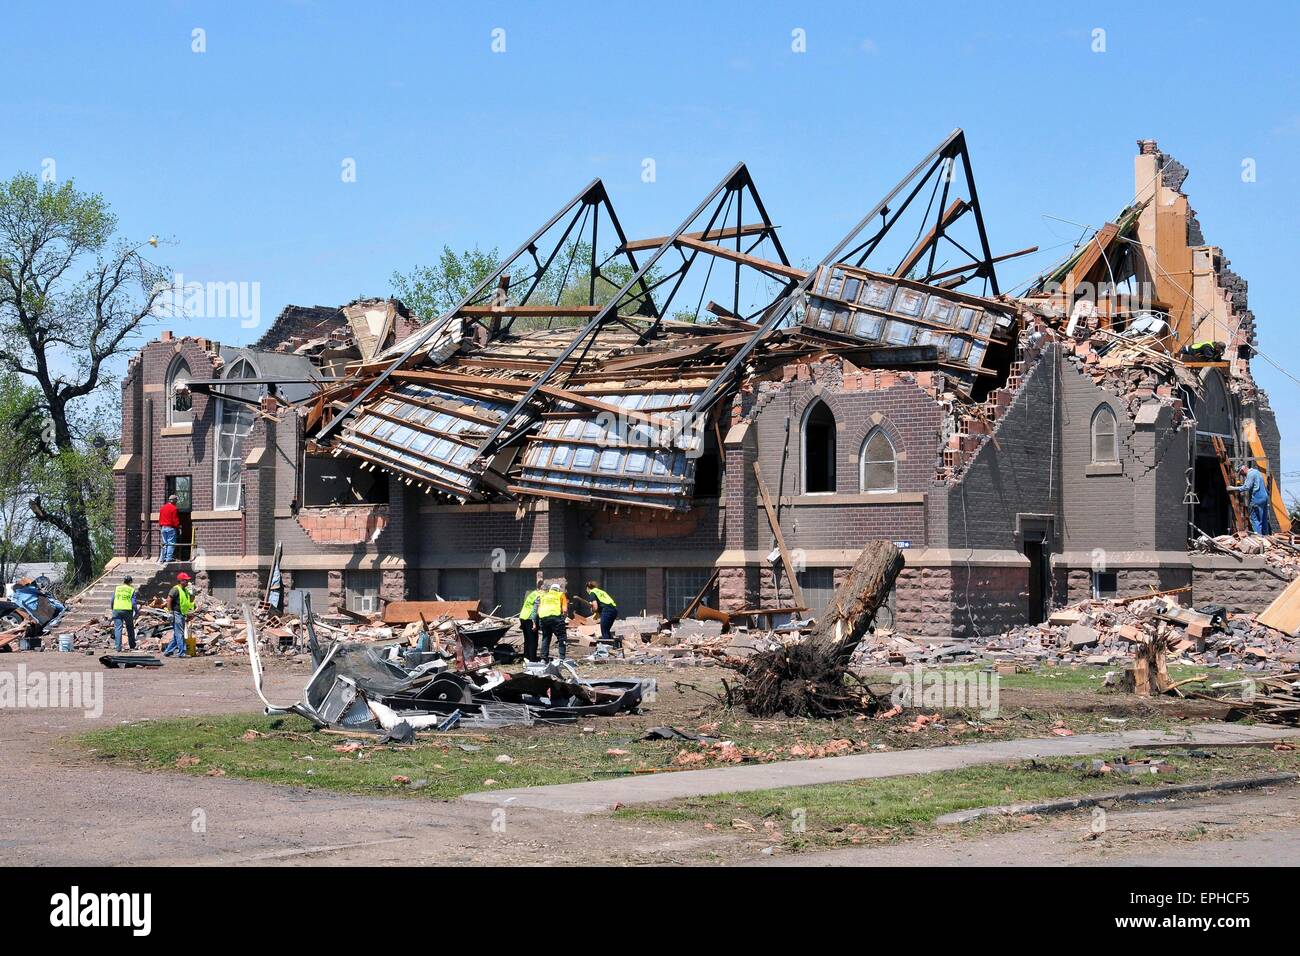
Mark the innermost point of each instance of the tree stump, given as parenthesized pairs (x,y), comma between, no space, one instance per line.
(810,679)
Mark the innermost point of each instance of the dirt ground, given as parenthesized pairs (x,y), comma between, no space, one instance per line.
(64,808)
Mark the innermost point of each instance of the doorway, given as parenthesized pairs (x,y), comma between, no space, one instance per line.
(1036,551)
(181,487)
(1034,531)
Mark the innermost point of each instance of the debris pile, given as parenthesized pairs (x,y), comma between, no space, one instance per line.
(216,628)
(398,691)
(1106,632)
(1276,549)
(28,613)
(1274,699)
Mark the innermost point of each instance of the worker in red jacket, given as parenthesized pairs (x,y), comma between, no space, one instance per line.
(169,520)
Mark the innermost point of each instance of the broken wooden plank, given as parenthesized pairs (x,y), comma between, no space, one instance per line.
(1284,613)
(795,589)
(407,612)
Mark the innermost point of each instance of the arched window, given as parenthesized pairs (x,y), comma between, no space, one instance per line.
(1105,450)
(879,462)
(235,422)
(180,403)
(818,449)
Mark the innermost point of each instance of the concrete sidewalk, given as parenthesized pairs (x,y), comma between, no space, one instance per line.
(601,795)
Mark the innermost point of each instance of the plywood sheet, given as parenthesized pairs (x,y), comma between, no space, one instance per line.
(1284,612)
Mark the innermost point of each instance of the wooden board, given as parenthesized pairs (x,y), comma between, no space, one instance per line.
(1284,612)
(1281,517)
(405,612)
(793,578)
(1239,522)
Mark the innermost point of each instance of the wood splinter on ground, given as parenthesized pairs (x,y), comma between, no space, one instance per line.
(811,678)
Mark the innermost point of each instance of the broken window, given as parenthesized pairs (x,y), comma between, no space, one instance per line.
(818,450)
(879,463)
(1105,584)
(818,586)
(682,584)
(180,403)
(1104,448)
(511,588)
(459,584)
(221,585)
(362,589)
(627,587)
(236,421)
(328,480)
(316,583)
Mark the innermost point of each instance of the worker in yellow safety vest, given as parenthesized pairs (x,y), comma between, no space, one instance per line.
(528,623)
(600,600)
(124,608)
(552,609)
(180,601)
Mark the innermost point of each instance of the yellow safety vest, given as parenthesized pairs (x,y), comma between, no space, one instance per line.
(122,595)
(530,604)
(602,596)
(184,600)
(550,604)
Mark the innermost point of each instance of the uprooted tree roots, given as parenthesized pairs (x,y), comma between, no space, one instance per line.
(811,678)
(800,681)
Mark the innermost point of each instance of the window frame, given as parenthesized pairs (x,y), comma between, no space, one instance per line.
(219,487)
(863,462)
(169,384)
(803,448)
(1103,411)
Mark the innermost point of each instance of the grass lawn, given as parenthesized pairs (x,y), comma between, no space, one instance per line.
(286,750)
(876,811)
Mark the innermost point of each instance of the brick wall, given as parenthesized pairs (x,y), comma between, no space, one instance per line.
(898,403)
(960,601)
(1012,472)
(343,525)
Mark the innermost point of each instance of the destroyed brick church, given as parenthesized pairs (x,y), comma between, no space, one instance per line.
(691,419)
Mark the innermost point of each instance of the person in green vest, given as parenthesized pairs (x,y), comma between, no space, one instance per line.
(124,608)
(528,623)
(552,609)
(180,601)
(601,601)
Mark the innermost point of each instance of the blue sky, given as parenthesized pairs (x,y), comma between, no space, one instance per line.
(235,154)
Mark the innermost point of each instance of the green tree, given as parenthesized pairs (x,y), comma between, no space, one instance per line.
(72,298)
(19,421)
(429,291)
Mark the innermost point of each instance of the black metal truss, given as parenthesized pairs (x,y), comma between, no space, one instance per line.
(940,161)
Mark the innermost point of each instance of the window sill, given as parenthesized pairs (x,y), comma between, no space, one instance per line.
(1104,468)
(169,431)
(833,498)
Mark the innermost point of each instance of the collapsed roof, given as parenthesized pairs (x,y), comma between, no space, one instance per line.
(574,371)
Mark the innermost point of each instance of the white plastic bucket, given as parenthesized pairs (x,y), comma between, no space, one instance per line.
(65,643)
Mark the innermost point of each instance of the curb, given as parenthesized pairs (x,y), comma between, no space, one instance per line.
(1124,796)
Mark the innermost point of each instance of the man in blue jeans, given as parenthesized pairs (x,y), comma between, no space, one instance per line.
(180,601)
(125,606)
(1254,490)
(169,524)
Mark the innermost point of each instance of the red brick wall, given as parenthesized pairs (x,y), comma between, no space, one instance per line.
(353,525)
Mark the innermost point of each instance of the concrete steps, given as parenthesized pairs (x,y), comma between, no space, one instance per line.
(150,578)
